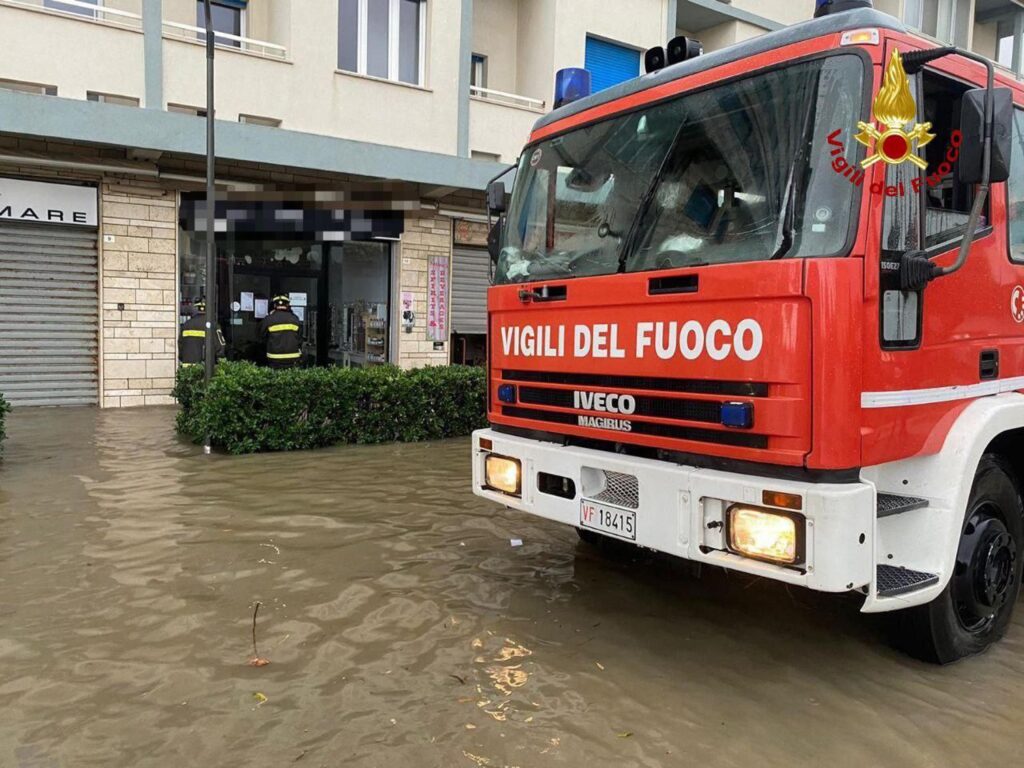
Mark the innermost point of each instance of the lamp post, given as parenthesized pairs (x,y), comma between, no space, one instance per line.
(211,246)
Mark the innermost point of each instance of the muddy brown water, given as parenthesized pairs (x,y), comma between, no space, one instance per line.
(404,629)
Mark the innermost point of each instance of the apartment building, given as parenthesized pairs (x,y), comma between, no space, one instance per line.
(354,140)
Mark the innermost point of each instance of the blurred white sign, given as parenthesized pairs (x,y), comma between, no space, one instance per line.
(37,201)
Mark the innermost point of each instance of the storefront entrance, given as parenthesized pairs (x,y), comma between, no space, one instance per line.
(339,289)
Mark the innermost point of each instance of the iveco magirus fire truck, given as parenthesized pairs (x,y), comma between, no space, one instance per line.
(763,309)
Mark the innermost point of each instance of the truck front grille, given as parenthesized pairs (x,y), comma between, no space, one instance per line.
(650,383)
(655,407)
(740,439)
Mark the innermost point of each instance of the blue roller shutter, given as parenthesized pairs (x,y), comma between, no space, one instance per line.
(610,63)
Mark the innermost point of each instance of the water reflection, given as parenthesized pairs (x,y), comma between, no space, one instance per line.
(403,629)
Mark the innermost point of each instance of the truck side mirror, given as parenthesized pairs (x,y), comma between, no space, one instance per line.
(972,123)
(494,239)
(496,197)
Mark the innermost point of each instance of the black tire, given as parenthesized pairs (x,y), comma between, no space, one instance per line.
(975,608)
(593,538)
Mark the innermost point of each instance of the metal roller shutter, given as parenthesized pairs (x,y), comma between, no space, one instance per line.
(471,278)
(48,315)
(609,63)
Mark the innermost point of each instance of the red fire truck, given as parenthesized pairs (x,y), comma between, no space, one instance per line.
(763,309)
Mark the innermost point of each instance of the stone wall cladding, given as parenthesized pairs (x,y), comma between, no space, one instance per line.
(138,267)
(426,234)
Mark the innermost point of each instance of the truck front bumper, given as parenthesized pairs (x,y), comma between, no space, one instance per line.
(681,510)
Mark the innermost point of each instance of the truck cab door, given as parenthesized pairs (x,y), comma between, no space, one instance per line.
(933,338)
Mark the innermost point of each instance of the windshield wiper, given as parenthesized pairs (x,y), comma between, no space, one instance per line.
(629,244)
(787,221)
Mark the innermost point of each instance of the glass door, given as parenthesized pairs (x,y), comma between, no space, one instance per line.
(358,288)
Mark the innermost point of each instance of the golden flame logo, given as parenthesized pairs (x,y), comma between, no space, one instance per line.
(894,107)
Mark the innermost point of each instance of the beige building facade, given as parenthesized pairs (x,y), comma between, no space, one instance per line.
(354,141)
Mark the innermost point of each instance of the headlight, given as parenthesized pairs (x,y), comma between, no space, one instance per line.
(764,534)
(503,474)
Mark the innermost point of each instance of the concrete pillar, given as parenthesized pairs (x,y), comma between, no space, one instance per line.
(153,45)
(465,68)
(1018,41)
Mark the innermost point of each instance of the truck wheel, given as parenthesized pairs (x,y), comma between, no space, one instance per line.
(975,608)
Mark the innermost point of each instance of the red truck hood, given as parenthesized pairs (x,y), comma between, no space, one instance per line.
(649,359)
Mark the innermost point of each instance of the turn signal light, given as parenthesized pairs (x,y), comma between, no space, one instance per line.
(860,37)
(762,534)
(784,500)
(503,474)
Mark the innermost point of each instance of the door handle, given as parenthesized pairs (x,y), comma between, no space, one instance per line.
(988,367)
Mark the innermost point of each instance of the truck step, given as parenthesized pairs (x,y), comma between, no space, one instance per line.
(890,504)
(893,580)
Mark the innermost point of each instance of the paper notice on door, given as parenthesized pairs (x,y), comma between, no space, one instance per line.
(300,312)
(247,302)
(297,299)
(260,307)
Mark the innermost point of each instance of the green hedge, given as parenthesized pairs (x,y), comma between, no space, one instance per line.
(249,409)
(4,410)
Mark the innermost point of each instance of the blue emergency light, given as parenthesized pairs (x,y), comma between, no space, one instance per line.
(738,415)
(507,393)
(571,84)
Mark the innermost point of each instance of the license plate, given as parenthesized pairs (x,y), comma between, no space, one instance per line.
(612,520)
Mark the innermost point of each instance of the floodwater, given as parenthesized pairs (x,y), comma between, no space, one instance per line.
(404,629)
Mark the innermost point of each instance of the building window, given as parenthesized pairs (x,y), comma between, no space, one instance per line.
(23,87)
(75,9)
(111,98)
(226,19)
(184,109)
(1004,43)
(610,63)
(947,20)
(382,38)
(478,71)
(269,122)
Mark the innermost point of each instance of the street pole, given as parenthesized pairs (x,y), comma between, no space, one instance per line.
(211,246)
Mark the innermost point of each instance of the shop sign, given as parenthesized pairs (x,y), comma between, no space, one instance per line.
(437,298)
(44,203)
(470,233)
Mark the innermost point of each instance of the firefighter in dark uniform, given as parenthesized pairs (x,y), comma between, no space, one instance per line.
(192,344)
(281,334)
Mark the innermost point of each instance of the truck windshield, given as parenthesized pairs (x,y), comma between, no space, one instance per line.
(743,171)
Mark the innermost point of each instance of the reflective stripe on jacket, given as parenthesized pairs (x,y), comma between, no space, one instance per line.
(192,345)
(281,333)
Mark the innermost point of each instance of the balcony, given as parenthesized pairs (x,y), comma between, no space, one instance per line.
(84,11)
(74,46)
(192,34)
(500,123)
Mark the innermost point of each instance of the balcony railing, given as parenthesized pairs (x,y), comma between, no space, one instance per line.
(75,9)
(261,48)
(509,99)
